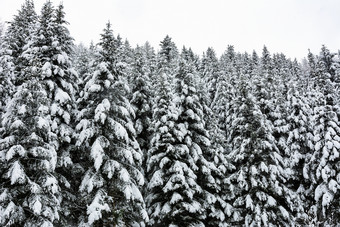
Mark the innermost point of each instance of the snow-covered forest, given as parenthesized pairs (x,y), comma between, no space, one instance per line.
(115,135)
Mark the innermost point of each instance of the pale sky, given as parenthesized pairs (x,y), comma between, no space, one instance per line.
(288,26)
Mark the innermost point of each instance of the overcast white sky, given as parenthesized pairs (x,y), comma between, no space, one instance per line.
(288,26)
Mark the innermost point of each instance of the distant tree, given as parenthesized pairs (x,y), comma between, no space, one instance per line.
(83,59)
(2,32)
(168,56)
(210,72)
(174,195)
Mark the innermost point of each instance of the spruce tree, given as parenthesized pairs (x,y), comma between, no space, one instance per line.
(210,71)
(323,167)
(29,189)
(12,46)
(258,193)
(51,45)
(173,197)
(17,35)
(109,152)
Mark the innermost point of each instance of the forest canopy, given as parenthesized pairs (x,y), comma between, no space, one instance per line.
(115,135)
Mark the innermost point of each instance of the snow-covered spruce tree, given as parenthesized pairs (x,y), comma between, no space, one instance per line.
(299,144)
(197,139)
(173,193)
(219,209)
(221,103)
(141,101)
(2,31)
(83,59)
(258,193)
(51,45)
(6,74)
(29,190)
(12,44)
(323,167)
(17,35)
(209,71)
(108,150)
(167,57)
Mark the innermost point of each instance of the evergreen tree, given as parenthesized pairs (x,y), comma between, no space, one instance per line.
(110,154)
(324,164)
(51,45)
(141,101)
(11,48)
(29,189)
(210,71)
(17,35)
(174,195)
(83,59)
(168,56)
(210,176)
(258,193)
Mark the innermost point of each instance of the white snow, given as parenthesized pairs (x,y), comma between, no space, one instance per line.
(326,199)
(271,201)
(124,175)
(119,131)
(61,96)
(249,202)
(166,208)
(97,206)
(61,58)
(136,194)
(156,180)
(47,69)
(94,88)
(37,207)
(110,168)
(43,123)
(128,192)
(333,186)
(16,149)
(16,173)
(54,109)
(52,184)
(3,195)
(17,124)
(263,167)
(97,154)
(22,110)
(284,212)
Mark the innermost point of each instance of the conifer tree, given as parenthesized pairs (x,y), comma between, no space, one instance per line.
(141,101)
(211,164)
(258,193)
(29,189)
(51,45)
(173,197)
(323,167)
(168,56)
(17,35)
(210,72)
(110,154)
(11,48)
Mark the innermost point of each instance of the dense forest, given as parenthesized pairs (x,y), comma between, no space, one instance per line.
(114,135)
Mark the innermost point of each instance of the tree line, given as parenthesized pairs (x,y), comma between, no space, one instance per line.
(114,135)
